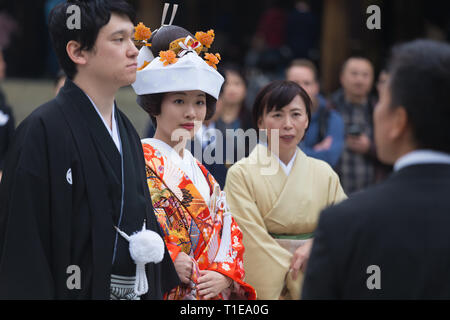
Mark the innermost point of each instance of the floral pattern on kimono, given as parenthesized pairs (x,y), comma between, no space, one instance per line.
(191,226)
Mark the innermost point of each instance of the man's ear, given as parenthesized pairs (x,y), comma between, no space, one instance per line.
(400,122)
(75,53)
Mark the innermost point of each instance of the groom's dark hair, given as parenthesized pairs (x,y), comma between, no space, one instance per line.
(94,14)
(420,82)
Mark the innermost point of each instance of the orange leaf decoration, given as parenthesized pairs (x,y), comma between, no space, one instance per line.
(205,39)
(168,57)
(212,59)
(146,63)
(142,32)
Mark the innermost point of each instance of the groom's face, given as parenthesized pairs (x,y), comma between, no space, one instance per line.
(113,59)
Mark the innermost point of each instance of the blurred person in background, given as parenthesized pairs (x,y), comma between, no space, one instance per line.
(324,139)
(302,31)
(231,114)
(354,103)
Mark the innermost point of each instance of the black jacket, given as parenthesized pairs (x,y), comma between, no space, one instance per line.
(400,226)
(60,200)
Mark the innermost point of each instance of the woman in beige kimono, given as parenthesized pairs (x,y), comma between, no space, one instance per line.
(277,193)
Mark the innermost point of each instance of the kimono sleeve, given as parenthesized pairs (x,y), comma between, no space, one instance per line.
(233,266)
(263,256)
(25,268)
(335,193)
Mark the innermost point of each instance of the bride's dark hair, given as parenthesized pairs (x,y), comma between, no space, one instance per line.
(162,38)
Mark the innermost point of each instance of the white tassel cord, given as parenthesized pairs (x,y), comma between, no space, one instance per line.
(141,283)
(145,246)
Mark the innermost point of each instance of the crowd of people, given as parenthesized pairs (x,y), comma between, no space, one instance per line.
(340,131)
(331,187)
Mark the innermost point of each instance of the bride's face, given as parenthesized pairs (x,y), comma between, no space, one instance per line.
(182,114)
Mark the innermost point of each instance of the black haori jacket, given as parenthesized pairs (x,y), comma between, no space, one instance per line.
(60,199)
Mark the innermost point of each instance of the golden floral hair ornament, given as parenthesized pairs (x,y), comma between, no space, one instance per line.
(189,45)
(205,38)
(168,57)
(212,59)
(142,34)
(178,66)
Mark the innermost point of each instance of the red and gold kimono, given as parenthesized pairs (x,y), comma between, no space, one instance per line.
(207,233)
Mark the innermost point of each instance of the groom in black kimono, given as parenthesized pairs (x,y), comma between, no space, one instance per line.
(76,169)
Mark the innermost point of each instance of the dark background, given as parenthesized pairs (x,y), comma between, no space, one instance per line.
(341,30)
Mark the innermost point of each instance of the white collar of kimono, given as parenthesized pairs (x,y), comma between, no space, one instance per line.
(421,157)
(114,133)
(187,164)
(286,168)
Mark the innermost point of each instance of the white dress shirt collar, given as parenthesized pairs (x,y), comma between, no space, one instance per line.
(421,157)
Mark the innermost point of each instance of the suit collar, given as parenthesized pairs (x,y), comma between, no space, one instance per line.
(426,171)
(99,132)
(422,157)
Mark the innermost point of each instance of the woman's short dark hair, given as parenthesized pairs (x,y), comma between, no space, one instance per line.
(279,94)
(420,82)
(151,103)
(94,14)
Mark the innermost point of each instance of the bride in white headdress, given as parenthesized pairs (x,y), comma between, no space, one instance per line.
(179,89)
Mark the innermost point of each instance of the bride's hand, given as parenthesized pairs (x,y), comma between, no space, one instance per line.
(211,283)
(183,266)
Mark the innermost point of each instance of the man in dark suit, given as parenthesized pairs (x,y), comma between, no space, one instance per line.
(392,241)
